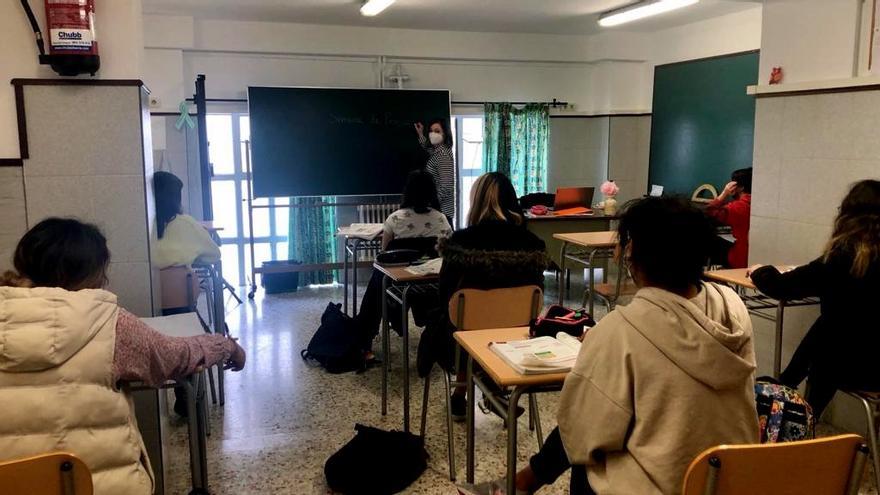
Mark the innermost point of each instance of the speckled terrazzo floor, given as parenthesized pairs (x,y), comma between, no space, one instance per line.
(282,419)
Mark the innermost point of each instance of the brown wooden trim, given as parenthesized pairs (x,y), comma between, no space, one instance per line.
(644,114)
(76,82)
(726,55)
(821,91)
(11,162)
(22,123)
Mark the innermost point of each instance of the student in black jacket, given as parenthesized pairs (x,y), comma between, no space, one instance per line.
(495,251)
(840,351)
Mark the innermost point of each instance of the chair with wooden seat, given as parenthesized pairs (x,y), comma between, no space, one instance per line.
(474,309)
(57,473)
(826,466)
(870,402)
(610,293)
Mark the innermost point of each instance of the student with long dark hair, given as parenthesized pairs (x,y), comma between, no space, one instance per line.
(418,224)
(182,239)
(840,349)
(68,347)
(441,161)
(657,381)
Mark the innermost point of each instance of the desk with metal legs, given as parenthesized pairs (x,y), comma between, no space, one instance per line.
(593,247)
(399,285)
(758,304)
(476,344)
(351,247)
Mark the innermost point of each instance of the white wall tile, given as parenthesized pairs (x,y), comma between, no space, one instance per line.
(764,241)
(131,283)
(13,220)
(120,211)
(801,242)
(59,196)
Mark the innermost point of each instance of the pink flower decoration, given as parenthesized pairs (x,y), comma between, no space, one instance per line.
(609,188)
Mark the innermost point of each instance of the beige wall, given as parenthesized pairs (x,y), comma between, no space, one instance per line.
(629,148)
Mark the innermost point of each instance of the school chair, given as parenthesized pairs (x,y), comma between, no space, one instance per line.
(180,287)
(58,473)
(474,309)
(825,466)
(610,293)
(871,404)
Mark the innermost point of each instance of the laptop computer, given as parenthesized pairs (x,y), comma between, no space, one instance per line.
(573,200)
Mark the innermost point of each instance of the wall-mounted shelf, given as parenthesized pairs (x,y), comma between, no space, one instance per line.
(815,87)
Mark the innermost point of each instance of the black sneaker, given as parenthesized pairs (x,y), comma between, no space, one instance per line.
(458,403)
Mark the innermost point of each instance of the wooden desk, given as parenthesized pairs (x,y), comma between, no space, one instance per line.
(759,303)
(397,284)
(546,226)
(598,246)
(351,247)
(476,344)
(211,226)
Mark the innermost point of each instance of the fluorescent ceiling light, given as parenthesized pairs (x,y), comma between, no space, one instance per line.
(641,10)
(373,7)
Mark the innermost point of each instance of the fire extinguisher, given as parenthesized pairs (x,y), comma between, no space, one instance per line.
(73,48)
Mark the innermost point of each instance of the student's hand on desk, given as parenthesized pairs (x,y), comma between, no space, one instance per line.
(752,269)
(237,359)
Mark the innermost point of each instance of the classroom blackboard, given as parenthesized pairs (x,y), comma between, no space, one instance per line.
(703,122)
(337,142)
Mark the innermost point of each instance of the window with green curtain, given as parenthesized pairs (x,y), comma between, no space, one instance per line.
(313,237)
(515,143)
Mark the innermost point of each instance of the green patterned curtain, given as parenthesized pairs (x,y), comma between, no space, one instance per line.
(515,143)
(312,237)
(496,138)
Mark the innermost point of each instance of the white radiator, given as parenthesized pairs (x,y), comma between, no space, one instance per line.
(376,213)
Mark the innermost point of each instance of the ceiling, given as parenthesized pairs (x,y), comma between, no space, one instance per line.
(520,16)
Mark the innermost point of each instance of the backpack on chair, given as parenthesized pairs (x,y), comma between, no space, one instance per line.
(783,415)
(335,344)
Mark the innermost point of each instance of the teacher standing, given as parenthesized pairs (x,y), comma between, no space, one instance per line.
(441,162)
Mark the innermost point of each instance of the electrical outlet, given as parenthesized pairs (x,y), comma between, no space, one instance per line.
(155,102)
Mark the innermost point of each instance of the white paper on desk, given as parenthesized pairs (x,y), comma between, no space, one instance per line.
(182,325)
(366,231)
(430,267)
(540,355)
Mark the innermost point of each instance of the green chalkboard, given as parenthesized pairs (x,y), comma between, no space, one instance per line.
(703,122)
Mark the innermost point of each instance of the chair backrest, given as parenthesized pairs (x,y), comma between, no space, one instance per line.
(475,309)
(58,473)
(180,287)
(830,466)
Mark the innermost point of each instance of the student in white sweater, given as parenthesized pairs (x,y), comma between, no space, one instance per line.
(182,239)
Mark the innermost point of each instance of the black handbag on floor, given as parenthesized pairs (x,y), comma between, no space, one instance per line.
(335,345)
(376,462)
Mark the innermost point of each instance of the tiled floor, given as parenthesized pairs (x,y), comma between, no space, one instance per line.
(282,418)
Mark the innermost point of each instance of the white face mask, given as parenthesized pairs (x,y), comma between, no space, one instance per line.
(435,138)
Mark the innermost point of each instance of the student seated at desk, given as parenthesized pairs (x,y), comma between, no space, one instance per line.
(68,346)
(841,349)
(182,239)
(494,251)
(416,225)
(659,380)
(736,214)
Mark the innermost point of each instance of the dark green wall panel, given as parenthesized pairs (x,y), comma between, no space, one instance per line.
(703,122)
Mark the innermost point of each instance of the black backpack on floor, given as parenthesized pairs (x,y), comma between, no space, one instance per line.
(335,344)
(376,462)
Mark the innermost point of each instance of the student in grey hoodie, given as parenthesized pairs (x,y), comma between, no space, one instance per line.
(659,380)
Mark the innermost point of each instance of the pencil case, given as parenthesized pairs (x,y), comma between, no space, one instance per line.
(557,319)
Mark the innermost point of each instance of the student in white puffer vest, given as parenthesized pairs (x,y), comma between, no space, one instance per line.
(66,348)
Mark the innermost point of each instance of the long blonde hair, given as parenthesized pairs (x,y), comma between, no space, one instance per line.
(494,198)
(857,228)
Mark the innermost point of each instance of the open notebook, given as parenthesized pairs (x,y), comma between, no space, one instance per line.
(539,355)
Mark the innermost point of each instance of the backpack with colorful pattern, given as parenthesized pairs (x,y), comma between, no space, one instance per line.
(783,415)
